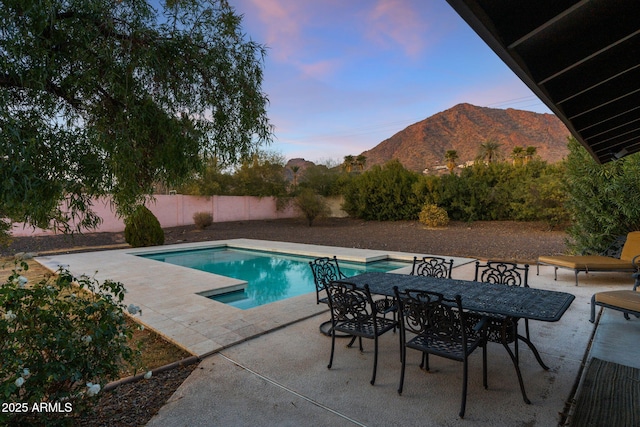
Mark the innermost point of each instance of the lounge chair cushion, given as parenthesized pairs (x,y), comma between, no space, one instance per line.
(588,262)
(631,247)
(625,300)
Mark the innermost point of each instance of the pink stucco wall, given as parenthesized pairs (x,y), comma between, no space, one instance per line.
(177,210)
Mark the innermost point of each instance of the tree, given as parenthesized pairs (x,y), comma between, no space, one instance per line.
(529,154)
(603,200)
(349,162)
(109,97)
(322,179)
(517,155)
(311,205)
(212,180)
(263,176)
(383,193)
(489,151)
(451,156)
(360,162)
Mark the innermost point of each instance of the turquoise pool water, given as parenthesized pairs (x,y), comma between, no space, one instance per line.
(270,276)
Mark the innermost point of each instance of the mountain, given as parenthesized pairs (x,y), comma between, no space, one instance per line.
(463,128)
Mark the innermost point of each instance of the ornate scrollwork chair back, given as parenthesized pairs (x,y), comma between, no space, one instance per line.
(504,273)
(325,270)
(432,267)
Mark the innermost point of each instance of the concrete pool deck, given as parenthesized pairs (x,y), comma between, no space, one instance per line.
(280,376)
(172,298)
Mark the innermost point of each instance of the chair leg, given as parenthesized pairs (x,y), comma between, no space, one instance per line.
(353,339)
(593,309)
(404,362)
(463,404)
(485,382)
(333,346)
(403,357)
(375,359)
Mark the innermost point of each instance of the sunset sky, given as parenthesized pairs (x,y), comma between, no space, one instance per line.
(344,75)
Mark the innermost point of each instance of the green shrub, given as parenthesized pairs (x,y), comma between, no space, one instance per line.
(142,228)
(202,220)
(433,216)
(604,201)
(383,194)
(62,340)
(311,205)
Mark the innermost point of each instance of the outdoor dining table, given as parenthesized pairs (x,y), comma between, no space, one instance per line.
(487,298)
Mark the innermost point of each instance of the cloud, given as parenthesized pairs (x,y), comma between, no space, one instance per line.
(393,23)
(283,20)
(320,69)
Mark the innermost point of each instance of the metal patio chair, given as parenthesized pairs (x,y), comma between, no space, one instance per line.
(326,270)
(441,328)
(353,312)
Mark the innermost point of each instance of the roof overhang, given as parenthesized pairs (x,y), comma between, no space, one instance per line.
(580,57)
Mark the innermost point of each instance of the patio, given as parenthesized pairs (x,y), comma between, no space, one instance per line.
(264,370)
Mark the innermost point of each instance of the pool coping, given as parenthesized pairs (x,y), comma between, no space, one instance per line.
(195,323)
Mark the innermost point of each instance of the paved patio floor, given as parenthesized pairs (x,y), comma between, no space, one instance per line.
(268,365)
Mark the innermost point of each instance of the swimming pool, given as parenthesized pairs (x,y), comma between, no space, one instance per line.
(270,276)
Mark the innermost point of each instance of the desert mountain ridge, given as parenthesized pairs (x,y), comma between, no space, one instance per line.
(463,128)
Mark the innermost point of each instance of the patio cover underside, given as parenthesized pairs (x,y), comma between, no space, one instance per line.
(580,57)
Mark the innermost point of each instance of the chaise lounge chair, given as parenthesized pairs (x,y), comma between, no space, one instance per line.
(590,263)
(628,302)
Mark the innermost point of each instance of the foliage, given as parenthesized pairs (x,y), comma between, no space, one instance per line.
(540,193)
(354,163)
(490,151)
(262,175)
(202,220)
(451,156)
(480,192)
(498,191)
(209,182)
(142,228)
(604,201)
(383,193)
(109,97)
(433,216)
(322,180)
(63,339)
(311,205)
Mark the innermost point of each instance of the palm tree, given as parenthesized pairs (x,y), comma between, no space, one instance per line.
(348,163)
(530,152)
(360,161)
(451,156)
(517,155)
(489,151)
